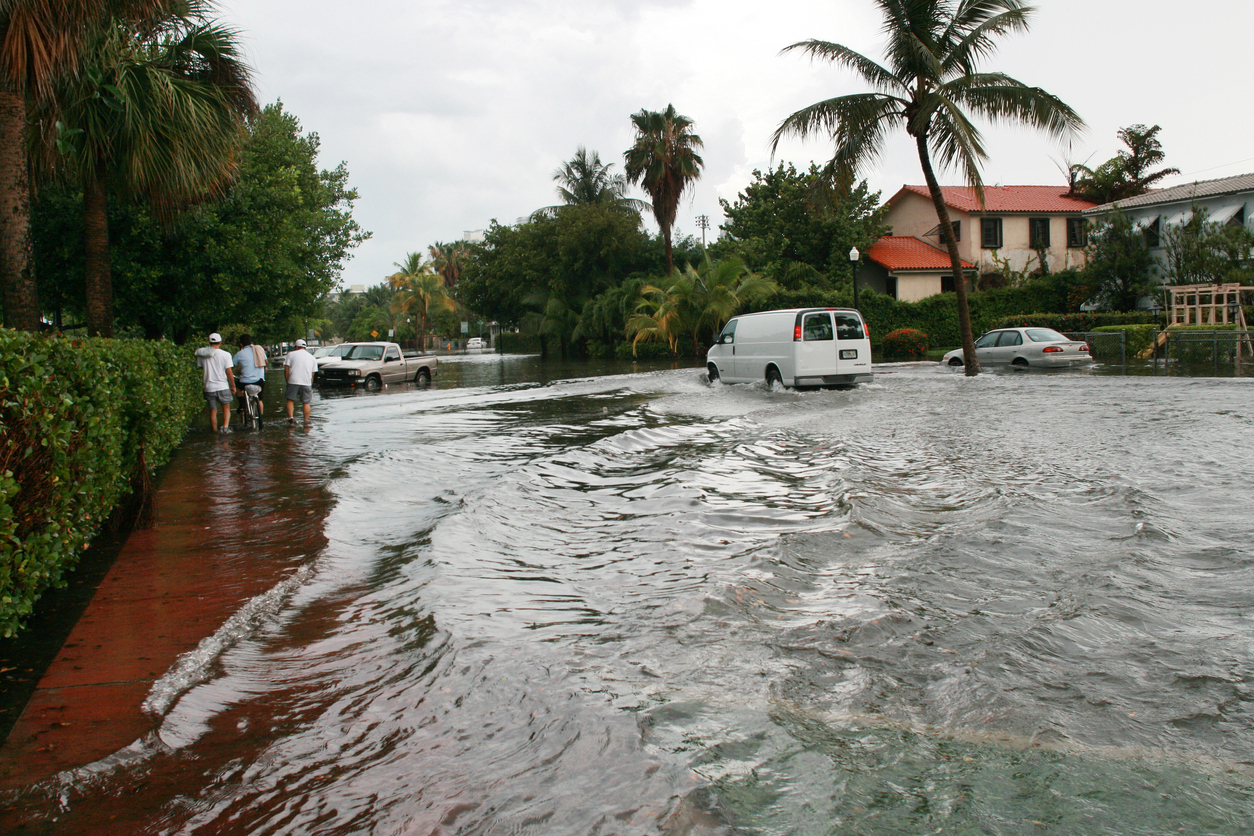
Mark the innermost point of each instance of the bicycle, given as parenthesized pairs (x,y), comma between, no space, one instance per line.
(252,406)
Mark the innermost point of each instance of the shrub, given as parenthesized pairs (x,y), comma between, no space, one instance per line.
(82,423)
(905,342)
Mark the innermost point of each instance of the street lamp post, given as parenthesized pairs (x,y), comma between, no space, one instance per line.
(853,257)
(703,222)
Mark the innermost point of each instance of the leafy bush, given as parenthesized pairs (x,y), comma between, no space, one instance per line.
(1073,322)
(510,343)
(905,342)
(82,423)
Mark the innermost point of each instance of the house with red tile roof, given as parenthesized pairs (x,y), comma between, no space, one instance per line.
(1017,228)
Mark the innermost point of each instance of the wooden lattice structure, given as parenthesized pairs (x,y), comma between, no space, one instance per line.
(1207,304)
(1211,304)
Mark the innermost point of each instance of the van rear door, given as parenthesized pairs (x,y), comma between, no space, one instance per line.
(853,346)
(816,353)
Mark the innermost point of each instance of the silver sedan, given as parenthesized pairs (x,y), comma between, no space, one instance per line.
(1038,347)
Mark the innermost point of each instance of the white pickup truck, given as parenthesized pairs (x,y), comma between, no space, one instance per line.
(375,365)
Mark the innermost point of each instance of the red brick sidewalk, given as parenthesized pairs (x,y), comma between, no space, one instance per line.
(209,551)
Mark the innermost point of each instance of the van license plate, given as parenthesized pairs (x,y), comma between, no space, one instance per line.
(849,354)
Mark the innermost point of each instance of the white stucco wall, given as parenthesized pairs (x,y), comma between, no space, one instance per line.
(1182,210)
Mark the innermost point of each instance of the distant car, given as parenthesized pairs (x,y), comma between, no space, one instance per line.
(474,342)
(1037,347)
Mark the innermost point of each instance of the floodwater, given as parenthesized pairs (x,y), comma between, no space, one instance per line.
(579,600)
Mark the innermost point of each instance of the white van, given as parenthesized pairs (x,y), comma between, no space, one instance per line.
(798,347)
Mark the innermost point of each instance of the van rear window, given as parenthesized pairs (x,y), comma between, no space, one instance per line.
(818,326)
(849,327)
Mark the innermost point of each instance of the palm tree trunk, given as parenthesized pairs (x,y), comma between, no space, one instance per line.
(670,261)
(99,281)
(17,268)
(955,260)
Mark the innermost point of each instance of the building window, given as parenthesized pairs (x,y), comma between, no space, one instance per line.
(1038,233)
(1077,234)
(957,225)
(947,285)
(1238,219)
(1151,233)
(990,233)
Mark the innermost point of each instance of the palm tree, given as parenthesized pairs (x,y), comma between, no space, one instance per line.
(449,260)
(927,86)
(1128,173)
(665,162)
(40,41)
(156,114)
(586,181)
(698,302)
(419,288)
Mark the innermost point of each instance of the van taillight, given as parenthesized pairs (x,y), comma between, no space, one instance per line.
(867,329)
(796,334)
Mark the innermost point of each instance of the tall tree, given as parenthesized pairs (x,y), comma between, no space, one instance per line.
(157,114)
(449,260)
(1126,174)
(928,84)
(665,162)
(585,180)
(40,41)
(420,289)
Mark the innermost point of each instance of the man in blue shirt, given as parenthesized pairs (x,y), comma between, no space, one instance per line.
(251,360)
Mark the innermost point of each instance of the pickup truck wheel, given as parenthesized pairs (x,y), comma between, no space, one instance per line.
(423,377)
(373,383)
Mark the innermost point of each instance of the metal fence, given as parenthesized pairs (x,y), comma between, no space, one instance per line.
(1188,353)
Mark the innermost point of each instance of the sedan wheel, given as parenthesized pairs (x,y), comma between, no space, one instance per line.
(955,361)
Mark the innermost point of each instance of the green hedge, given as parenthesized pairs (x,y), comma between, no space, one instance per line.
(1085,321)
(507,343)
(82,423)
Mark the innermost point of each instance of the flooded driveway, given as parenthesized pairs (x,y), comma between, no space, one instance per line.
(546,599)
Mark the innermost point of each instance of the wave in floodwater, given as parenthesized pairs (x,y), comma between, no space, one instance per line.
(637,603)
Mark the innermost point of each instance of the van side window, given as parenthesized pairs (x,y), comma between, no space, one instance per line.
(818,326)
(729,333)
(849,327)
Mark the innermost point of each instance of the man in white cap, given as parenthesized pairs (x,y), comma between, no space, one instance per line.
(219,372)
(298,371)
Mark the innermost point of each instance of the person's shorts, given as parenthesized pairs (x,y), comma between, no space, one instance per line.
(239,389)
(296,392)
(215,399)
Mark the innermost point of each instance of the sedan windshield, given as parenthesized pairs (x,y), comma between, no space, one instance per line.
(1045,335)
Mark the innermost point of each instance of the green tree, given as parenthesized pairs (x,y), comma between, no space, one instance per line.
(267,255)
(929,83)
(573,256)
(449,260)
(697,303)
(786,218)
(665,162)
(1118,264)
(1127,174)
(419,290)
(1199,251)
(39,42)
(585,180)
(156,115)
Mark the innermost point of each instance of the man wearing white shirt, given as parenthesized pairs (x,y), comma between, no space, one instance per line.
(219,380)
(298,371)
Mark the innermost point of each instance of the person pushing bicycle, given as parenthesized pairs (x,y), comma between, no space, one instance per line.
(251,361)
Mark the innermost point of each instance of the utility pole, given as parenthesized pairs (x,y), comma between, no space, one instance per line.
(703,221)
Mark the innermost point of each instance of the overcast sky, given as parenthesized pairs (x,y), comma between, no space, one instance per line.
(451,113)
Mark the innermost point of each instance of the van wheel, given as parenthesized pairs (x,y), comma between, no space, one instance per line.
(712,372)
(773,378)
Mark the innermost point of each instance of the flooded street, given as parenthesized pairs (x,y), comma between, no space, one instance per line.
(551,599)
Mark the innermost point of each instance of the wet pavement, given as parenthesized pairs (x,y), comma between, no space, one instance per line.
(168,588)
